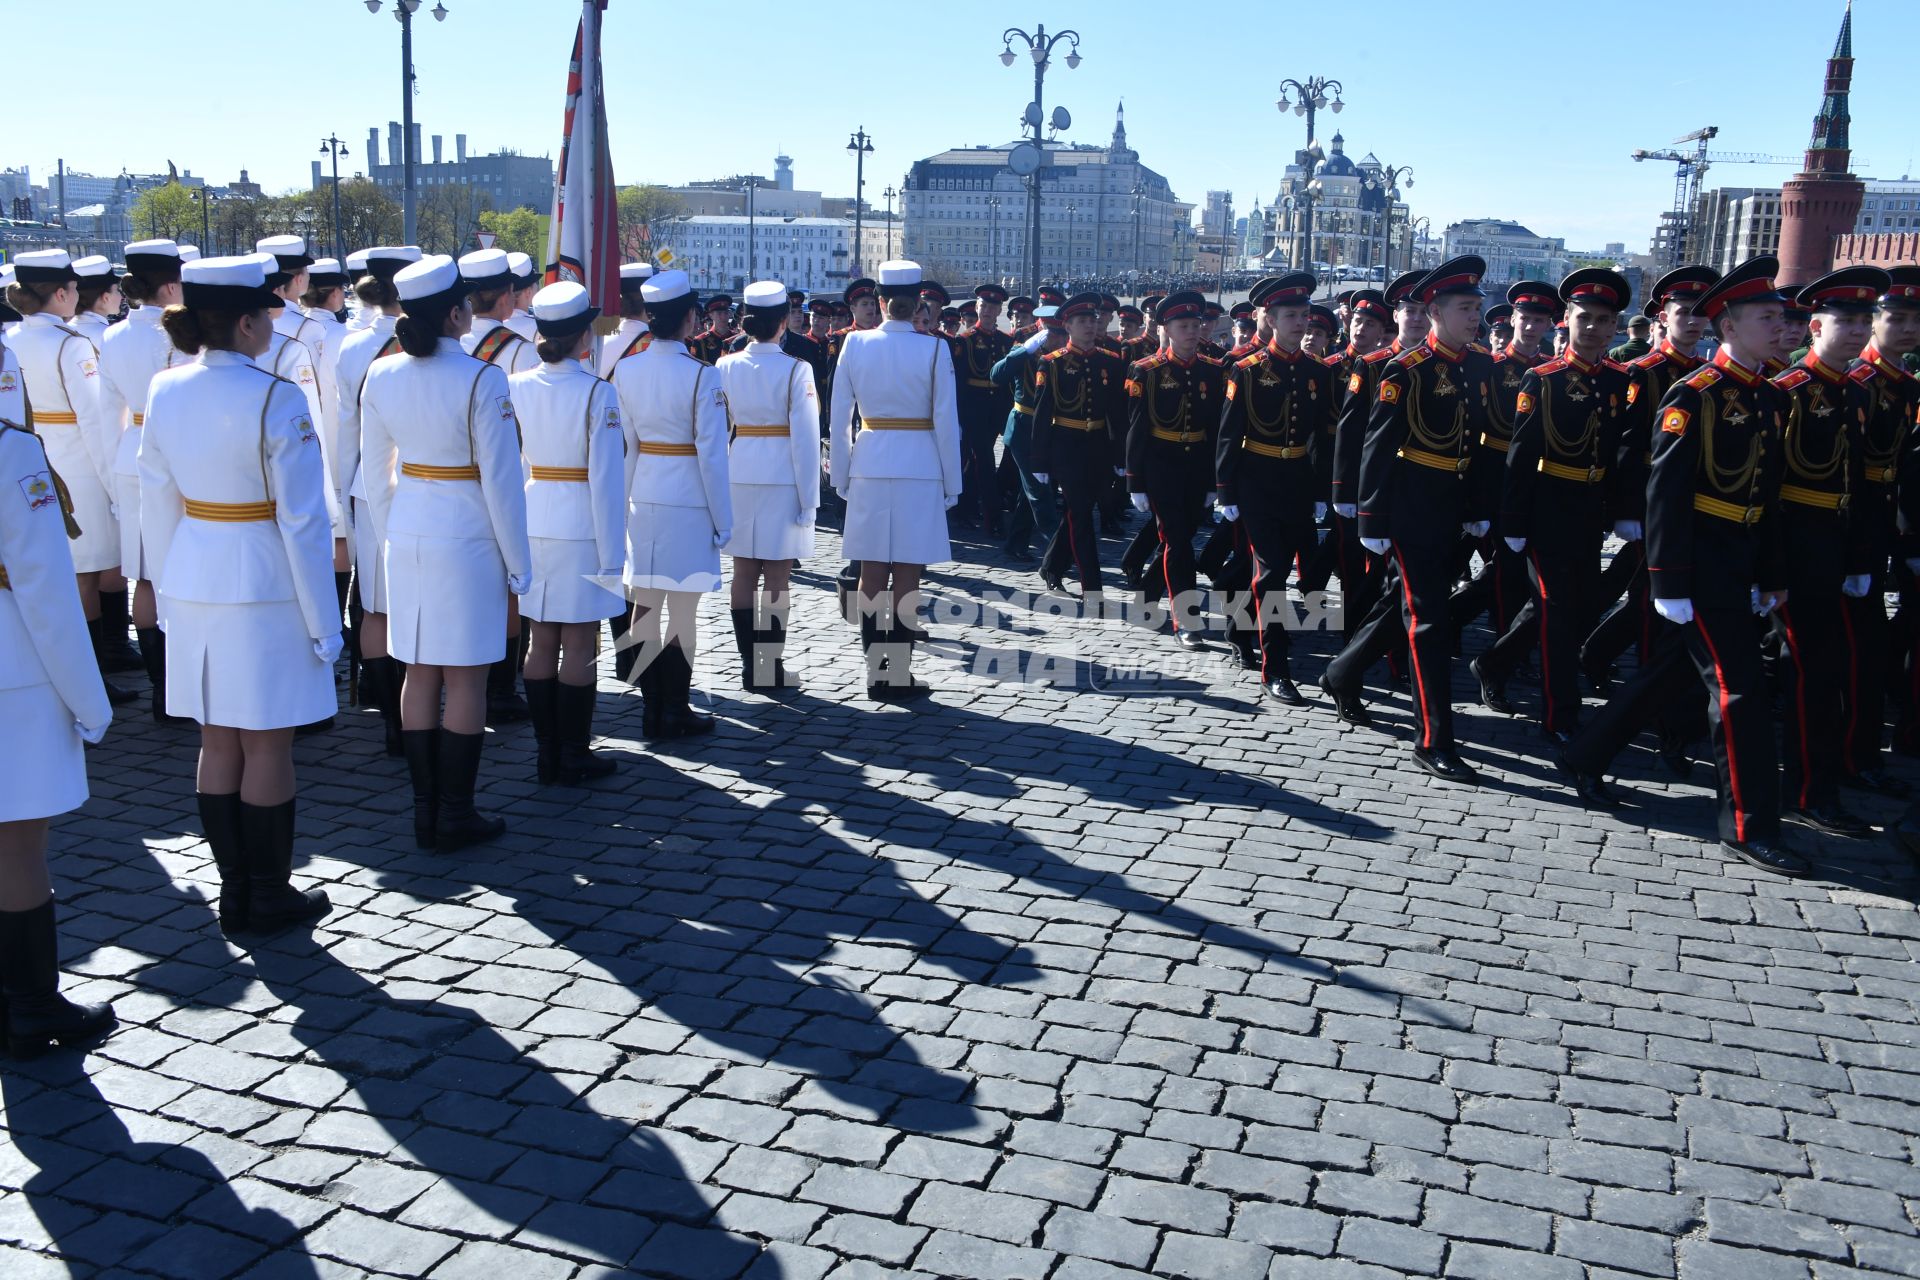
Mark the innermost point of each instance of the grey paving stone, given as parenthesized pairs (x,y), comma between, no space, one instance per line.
(1169,1205)
(1210,1258)
(949,1253)
(1014,1219)
(1100,1236)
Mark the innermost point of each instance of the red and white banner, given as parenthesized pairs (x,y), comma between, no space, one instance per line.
(583,241)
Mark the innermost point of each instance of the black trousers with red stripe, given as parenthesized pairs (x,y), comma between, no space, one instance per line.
(1275,531)
(1361,575)
(1176,495)
(1081,470)
(1564,572)
(1500,590)
(1812,671)
(1726,654)
(1422,583)
(1864,631)
(1626,624)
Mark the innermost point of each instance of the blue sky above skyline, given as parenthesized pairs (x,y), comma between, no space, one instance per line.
(1493,107)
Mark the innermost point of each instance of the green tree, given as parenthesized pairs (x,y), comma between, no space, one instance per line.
(519,230)
(647,211)
(166,213)
(446,217)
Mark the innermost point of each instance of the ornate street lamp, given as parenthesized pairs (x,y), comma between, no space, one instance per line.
(1040,48)
(403,11)
(860,145)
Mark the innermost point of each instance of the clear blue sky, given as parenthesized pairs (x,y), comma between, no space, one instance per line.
(1523,111)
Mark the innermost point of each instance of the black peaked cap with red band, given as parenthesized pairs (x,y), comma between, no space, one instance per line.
(1850,289)
(1080,304)
(1187,304)
(1598,286)
(1460,275)
(1294,289)
(1536,296)
(1401,290)
(1903,287)
(1751,281)
(1324,317)
(1373,303)
(1682,284)
(1499,313)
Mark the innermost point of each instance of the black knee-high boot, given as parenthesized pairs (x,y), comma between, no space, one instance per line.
(457,773)
(421,746)
(38,1016)
(773,642)
(220,819)
(272,901)
(543,706)
(681,720)
(744,639)
(578,764)
(116,652)
(388,676)
(97,634)
(153,653)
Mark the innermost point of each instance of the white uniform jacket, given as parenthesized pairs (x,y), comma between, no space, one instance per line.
(510,352)
(357,354)
(62,372)
(224,440)
(13,391)
(894,374)
(673,410)
(135,350)
(92,326)
(440,412)
(43,634)
(293,360)
(326,362)
(574,448)
(522,323)
(776,420)
(620,342)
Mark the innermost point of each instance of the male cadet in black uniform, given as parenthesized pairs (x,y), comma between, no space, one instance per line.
(1017,374)
(1273,455)
(1893,408)
(1133,324)
(1368,321)
(710,345)
(1323,331)
(1077,440)
(1714,560)
(1210,345)
(1174,398)
(1825,437)
(1499,322)
(1649,377)
(1426,423)
(1244,343)
(1020,318)
(1502,586)
(1553,508)
(983,406)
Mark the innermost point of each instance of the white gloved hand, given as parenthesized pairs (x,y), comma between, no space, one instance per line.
(520,584)
(1037,341)
(805,518)
(90,736)
(1515,545)
(1042,477)
(1319,512)
(1378,546)
(1228,511)
(1346,510)
(1628,530)
(1140,503)
(1119,473)
(1764,604)
(952,501)
(327,648)
(1475,528)
(113,509)
(1856,585)
(721,537)
(1680,611)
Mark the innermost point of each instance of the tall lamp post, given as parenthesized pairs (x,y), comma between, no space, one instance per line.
(1388,180)
(750,186)
(860,145)
(333,148)
(890,193)
(993,238)
(1226,234)
(1039,47)
(1067,281)
(1306,98)
(1139,195)
(403,11)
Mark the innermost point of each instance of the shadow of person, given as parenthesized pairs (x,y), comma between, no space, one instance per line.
(110,1200)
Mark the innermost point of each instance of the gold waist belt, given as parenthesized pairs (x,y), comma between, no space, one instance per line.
(421,471)
(669,450)
(1723,510)
(230,512)
(139,419)
(1024,408)
(897,424)
(1495,442)
(1813,497)
(1081,424)
(980,382)
(1880,475)
(1437,461)
(780,429)
(1178,437)
(1287,451)
(1579,475)
(574,475)
(49,415)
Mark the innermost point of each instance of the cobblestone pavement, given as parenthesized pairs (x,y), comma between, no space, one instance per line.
(1028,981)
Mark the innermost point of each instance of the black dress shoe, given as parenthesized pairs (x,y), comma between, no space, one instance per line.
(1347,706)
(1601,678)
(1878,781)
(1677,762)
(1830,818)
(1492,696)
(1590,787)
(1052,582)
(1283,690)
(1193,641)
(1248,659)
(1558,737)
(1769,855)
(1442,763)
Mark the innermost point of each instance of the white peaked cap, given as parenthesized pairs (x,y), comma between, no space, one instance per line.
(665,287)
(434,274)
(636,271)
(898,272)
(357,260)
(189,253)
(94,265)
(154,248)
(282,246)
(561,301)
(247,271)
(765,293)
(484,264)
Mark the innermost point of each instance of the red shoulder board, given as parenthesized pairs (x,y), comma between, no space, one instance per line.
(1414,356)
(1253,361)
(1792,378)
(1476,347)
(1652,360)
(1554,365)
(1613,364)
(1215,361)
(1703,377)
(1862,372)
(1378,355)
(1153,361)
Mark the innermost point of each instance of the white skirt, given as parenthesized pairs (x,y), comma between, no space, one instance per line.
(133,556)
(565,583)
(245,666)
(765,523)
(98,546)
(369,567)
(671,548)
(896,520)
(43,763)
(446,600)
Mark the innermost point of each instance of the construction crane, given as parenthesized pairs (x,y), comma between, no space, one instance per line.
(1690,171)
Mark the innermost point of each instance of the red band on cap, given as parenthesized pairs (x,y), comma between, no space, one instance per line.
(1536,300)
(1180,311)
(1909,292)
(1441,286)
(1742,292)
(1603,292)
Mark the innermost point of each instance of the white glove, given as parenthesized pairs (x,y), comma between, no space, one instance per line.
(327,648)
(1856,585)
(1228,512)
(1346,510)
(519,585)
(1628,530)
(113,509)
(1515,545)
(1140,503)
(721,537)
(1120,472)
(1379,546)
(1037,341)
(805,519)
(1763,607)
(1476,528)
(1041,477)
(952,500)
(1319,512)
(90,736)
(1680,611)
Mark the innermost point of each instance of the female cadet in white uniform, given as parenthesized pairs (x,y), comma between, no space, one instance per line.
(576,524)
(631,336)
(325,294)
(526,282)
(133,352)
(62,374)
(51,700)
(898,477)
(234,520)
(444,478)
(775,472)
(359,314)
(673,411)
(380,675)
(100,298)
(96,310)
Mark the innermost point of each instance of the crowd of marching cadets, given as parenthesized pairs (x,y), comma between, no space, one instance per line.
(454,477)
